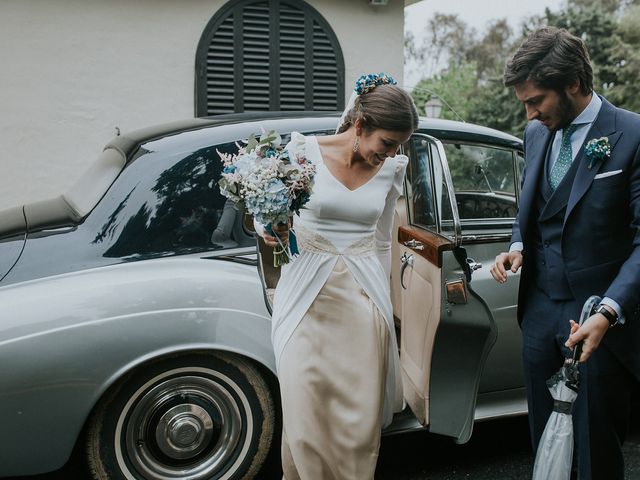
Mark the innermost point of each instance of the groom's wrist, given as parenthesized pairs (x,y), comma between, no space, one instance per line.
(609,313)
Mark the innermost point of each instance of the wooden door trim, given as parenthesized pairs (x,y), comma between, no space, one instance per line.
(432,244)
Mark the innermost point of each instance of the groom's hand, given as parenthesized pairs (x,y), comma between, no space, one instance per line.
(590,333)
(506,261)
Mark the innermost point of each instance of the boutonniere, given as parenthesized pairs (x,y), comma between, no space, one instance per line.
(597,149)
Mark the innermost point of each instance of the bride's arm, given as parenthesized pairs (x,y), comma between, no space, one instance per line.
(384,228)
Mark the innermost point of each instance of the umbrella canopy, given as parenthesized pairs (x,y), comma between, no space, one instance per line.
(555,450)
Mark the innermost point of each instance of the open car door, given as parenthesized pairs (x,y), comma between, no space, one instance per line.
(447,330)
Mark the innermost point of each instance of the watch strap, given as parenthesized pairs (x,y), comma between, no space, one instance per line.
(611,317)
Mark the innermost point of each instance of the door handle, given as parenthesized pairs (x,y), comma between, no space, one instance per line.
(414,244)
(407,261)
(473,265)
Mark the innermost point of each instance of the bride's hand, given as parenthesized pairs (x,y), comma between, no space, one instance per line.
(282,231)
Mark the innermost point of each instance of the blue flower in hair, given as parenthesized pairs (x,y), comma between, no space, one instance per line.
(366,83)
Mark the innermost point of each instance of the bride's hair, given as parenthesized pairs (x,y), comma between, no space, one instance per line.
(386,107)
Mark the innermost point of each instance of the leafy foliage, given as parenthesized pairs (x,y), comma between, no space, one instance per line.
(470,82)
(454,87)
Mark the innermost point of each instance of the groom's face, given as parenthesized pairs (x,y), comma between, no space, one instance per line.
(552,108)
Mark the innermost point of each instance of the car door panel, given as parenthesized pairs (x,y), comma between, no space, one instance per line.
(420,298)
(485,177)
(503,369)
(466,334)
(446,335)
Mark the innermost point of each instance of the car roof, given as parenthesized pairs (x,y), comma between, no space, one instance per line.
(70,207)
(444,130)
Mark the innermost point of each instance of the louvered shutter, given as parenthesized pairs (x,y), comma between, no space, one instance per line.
(275,55)
(292,54)
(324,71)
(255,57)
(219,84)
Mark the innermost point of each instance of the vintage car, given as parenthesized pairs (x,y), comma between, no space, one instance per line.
(134,309)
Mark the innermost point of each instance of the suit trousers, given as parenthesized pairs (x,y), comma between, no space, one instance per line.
(602,408)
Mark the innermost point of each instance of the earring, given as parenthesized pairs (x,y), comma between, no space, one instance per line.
(356,144)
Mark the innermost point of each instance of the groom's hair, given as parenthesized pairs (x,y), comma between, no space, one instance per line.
(551,58)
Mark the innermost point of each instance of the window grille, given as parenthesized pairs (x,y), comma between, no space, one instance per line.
(268,55)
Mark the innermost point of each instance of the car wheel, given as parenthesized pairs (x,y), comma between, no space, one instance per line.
(192,416)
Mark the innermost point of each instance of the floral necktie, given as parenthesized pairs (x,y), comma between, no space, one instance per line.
(565,157)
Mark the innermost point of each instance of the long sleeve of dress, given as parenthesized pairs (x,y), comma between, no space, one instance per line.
(384,228)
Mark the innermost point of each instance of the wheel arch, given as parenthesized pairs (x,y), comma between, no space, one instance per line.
(160,355)
(225,353)
(181,350)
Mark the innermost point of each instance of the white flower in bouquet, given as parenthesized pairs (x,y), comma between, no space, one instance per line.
(269,183)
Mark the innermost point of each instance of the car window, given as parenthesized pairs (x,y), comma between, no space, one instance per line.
(419,184)
(428,197)
(484,181)
(520,168)
(169,204)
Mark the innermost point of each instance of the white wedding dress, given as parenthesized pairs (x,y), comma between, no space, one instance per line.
(333,331)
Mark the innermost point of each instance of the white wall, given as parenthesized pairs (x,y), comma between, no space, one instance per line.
(73,70)
(371,38)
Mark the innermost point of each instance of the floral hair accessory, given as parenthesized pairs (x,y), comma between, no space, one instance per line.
(366,83)
(597,149)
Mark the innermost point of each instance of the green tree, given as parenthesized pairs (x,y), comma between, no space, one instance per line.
(491,50)
(454,86)
(471,67)
(497,107)
(446,42)
(625,61)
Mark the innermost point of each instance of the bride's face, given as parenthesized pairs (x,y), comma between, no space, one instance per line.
(376,145)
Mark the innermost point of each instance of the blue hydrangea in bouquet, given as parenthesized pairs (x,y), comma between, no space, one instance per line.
(268,183)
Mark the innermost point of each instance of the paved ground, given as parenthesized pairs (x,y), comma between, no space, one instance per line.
(498,450)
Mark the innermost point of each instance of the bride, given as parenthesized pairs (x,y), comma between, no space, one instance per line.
(333,331)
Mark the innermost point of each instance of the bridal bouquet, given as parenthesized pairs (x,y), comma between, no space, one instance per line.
(269,183)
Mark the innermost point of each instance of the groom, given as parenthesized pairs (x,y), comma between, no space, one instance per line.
(577,234)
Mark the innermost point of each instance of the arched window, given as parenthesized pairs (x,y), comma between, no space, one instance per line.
(268,55)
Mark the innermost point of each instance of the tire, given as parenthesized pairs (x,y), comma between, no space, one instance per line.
(193,416)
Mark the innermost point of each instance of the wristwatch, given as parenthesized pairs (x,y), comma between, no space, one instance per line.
(611,317)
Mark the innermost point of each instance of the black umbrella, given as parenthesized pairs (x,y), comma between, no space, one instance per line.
(555,450)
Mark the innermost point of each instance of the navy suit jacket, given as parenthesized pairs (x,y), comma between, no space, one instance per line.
(601,231)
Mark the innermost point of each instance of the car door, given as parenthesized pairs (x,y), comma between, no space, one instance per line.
(485,178)
(447,330)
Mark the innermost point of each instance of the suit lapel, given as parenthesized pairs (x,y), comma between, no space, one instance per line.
(604,126)
(536,153)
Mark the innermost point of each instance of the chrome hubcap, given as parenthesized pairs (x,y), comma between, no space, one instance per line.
(184,431)
(183,423)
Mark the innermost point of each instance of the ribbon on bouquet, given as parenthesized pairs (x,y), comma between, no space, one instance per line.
(284,255)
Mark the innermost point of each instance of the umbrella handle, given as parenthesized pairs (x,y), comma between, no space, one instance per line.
(577,352)
(587,310)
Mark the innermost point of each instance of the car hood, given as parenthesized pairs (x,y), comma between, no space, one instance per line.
(13,234)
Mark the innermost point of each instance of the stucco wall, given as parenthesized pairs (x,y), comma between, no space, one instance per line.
(74,70)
